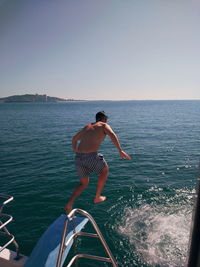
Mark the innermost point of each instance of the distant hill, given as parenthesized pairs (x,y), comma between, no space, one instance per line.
(32,98)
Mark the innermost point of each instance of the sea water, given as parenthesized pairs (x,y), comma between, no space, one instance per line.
(146,218)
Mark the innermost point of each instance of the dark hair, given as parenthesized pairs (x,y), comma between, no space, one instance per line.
(101,115)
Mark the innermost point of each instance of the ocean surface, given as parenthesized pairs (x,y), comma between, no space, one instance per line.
(147,216)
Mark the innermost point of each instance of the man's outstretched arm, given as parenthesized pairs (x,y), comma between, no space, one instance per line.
(115,140)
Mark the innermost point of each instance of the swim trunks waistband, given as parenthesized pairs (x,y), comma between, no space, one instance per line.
(86,154)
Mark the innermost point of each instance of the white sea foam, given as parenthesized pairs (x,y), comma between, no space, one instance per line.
(159,233)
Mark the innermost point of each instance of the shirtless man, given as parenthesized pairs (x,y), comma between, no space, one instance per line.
(87,161)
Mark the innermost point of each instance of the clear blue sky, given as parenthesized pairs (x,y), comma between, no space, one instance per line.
(100,49)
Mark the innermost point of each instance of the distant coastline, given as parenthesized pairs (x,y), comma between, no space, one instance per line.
(29,98)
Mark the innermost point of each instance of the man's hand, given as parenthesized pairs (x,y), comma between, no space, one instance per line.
(124,155)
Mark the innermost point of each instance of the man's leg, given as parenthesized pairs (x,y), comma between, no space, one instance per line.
(100,185)
(76,193)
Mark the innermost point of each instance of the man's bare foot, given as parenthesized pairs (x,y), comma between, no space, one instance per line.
(68,208)
(99,199)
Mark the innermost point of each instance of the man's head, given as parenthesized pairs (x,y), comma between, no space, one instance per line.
(101,116)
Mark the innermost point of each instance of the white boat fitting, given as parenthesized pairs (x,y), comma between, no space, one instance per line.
(8,258)
(54,245)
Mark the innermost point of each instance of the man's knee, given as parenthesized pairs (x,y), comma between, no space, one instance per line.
(84,181)
(104,171)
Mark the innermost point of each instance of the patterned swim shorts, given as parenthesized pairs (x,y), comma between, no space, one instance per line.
(88,163)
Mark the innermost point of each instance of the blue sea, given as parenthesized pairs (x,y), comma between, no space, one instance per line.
(146,218)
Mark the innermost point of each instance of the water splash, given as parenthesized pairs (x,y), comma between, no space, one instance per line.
(159,230)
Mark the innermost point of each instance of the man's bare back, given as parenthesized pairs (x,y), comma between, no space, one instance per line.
(91,137)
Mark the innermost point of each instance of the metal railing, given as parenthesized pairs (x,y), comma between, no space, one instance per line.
(98,234)
(3,230)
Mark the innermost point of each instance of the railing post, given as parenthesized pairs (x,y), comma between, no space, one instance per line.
(62,242)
